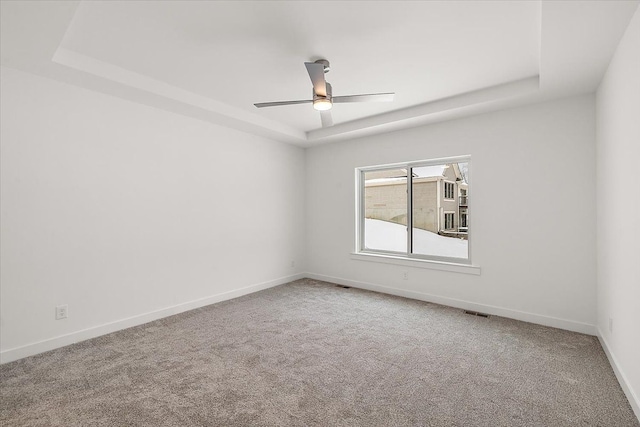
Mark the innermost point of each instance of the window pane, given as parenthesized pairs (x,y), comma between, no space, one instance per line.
(436,216)
(385,210)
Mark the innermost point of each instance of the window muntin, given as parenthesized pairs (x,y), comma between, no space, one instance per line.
(434,221)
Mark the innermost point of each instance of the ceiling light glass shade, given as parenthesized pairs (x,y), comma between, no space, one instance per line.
(322,104)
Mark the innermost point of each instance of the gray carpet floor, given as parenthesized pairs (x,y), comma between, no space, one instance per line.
(310,353)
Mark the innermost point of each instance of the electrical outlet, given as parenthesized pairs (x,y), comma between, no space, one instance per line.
(62,311)
(405,275)
(610,325)
(293,264)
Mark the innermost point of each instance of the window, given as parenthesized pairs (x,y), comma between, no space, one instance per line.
(385,201)
(448,190)
(448,220)
(463,220)
(415,210)
(463,197)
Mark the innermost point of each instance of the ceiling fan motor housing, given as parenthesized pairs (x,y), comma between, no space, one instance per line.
(316,96)
(320,102)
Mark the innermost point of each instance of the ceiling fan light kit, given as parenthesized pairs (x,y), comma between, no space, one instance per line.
(322,95)
(322,104)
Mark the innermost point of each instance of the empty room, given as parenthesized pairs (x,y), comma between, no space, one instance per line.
(319,213)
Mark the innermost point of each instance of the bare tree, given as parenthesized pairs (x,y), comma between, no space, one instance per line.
(464,170)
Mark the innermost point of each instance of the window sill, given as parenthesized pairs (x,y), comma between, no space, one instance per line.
(418,263)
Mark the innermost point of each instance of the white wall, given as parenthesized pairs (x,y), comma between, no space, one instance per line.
(618,197)
(532,212)
(120,210)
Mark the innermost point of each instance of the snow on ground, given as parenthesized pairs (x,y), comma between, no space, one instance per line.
(387,236)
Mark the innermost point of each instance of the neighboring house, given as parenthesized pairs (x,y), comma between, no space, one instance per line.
(440,198)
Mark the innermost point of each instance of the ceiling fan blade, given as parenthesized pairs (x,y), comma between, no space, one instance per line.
(316,73)
(326,118)
(278,103)
(372,97)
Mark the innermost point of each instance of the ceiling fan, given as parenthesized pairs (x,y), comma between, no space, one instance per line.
(323,98)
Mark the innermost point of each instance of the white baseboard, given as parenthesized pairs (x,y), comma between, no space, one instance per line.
(107,328)
(63,340)
(539,319)
(622,378)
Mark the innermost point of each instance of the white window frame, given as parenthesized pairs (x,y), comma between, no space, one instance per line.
(462,265)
